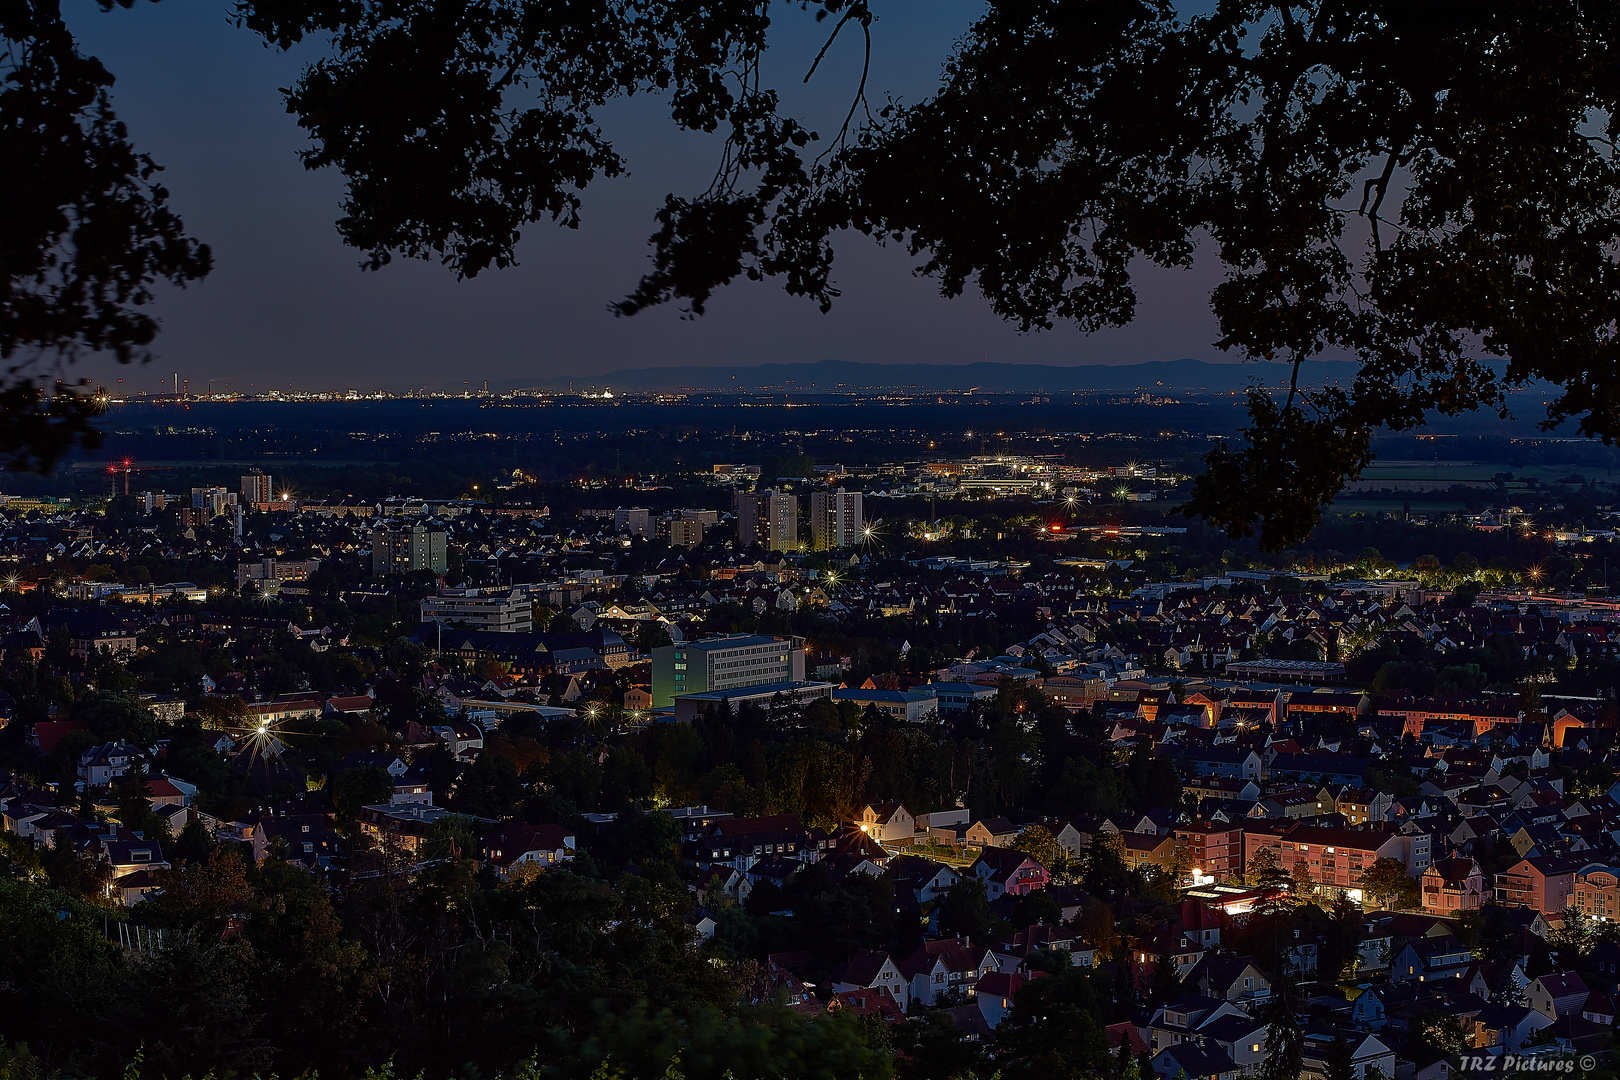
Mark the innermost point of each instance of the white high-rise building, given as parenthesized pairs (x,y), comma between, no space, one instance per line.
(634,521)
(213,500)
(406,550)
(836,519)
(770,519)
(258,488)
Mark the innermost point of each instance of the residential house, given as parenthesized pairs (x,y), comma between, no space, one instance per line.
(887,822)
(1319,768)
(307,839)
(1507,1026)
(1221,789)
(992,832)
(128,854)
(516,845)
(1453,885)
(1430,959)
(1232,978)
(873,971)
(1073,836)
(1184,1019)
(1241,1036)
(994,993)
(941,970)
(1562,993)
(130,889)
(1144,850)
(1007,872)
(865,1003)
(1194,1062)
(1368,1054)
(166,791)
(1012,953)
(925,879)
(1235,762)
(1362,805)
(406,825)
(102,764)
(739,842)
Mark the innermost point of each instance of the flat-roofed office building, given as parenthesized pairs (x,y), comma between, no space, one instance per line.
(722,663)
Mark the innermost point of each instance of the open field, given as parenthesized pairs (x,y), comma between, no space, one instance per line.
(1442,475)
(1427,507)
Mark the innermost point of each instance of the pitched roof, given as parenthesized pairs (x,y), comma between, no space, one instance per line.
(1004,860)
(1554,865)
(753,825)
(862,969)
(1198,1061)
(869,1003)
(159,787)
(1564,984)
(511,840)
(1454,871)
(950,952)
(883,812)
(999,983)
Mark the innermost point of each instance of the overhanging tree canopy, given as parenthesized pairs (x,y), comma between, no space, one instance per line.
(1427,186)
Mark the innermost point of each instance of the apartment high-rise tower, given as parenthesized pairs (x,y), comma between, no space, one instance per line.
(769,519)
(406,550)
(257,488)
(836,519)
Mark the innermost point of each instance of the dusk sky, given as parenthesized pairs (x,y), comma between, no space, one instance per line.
(287,302)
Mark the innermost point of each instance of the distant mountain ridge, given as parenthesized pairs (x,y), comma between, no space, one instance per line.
(842,376)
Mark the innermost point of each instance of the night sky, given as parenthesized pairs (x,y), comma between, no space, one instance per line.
(287,303)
